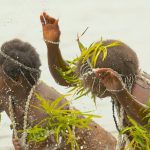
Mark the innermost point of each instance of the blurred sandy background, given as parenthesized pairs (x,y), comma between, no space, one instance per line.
(126,20)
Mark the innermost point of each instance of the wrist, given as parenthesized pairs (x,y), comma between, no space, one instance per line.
(51,46)
(117,91)
(121,93)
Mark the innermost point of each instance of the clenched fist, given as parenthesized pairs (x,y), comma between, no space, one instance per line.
(110,79)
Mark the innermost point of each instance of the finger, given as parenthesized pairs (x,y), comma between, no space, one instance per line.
(102,73)
(56,22)
(114,74)
(48,19)
(42,20)
(100,70)
(18,148)
(105,75)
(108,77)
(107,80)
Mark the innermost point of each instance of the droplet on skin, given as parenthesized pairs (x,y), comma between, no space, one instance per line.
(81,147)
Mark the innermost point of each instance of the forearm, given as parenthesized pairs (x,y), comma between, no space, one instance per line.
(55,61)
(133,108)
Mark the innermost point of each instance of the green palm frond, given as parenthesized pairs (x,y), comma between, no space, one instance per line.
(140,135)
(94,51)
(148,102)
(59,122)
(147,115)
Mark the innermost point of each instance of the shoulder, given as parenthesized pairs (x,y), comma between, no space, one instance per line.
(48,92)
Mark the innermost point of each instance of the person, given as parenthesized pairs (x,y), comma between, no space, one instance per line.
(118,76)
(19,81)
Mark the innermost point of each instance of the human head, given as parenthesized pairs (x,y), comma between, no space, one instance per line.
(19,59)
(121,59)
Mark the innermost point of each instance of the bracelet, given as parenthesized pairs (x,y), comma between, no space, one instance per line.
(116,91)
(52,42)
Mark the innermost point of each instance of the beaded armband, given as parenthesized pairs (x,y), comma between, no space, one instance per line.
(52,42)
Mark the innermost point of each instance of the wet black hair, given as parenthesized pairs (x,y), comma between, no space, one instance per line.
(25,54)
(120,58)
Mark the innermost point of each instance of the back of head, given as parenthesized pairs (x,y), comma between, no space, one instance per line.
(122,59)
(18,58)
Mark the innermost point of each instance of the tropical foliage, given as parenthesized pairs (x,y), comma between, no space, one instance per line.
(94,50)
(59,122)
(139,135)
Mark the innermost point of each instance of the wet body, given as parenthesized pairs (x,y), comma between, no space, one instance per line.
(19,75)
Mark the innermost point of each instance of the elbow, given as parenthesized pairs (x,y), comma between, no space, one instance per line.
(62,83)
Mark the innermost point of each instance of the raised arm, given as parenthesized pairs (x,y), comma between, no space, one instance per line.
(51,35)
(113,84)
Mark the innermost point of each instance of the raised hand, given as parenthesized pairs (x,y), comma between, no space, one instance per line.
(50,28)
(110,79)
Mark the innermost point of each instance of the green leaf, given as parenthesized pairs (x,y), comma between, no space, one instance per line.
(59,122)
(140,136)
(148,102)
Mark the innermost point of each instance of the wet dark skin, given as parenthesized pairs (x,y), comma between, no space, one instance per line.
(133,106)
(85,136)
